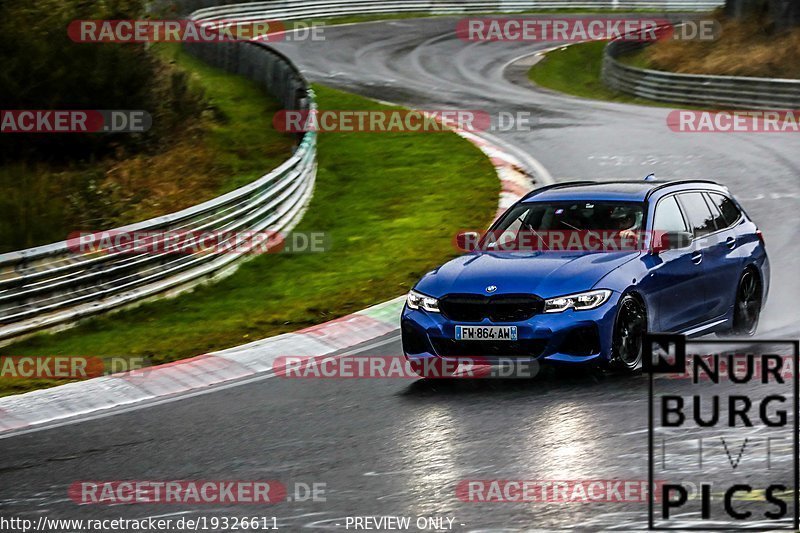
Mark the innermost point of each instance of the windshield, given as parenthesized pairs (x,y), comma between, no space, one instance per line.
(539,218)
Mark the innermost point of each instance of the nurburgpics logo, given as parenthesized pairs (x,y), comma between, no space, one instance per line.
(723,443)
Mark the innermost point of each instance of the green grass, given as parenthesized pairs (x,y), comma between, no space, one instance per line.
(576,70)
(241,136)
(32,207)
(636,59)
(390,203)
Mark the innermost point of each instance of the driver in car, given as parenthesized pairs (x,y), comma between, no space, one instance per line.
(627,225)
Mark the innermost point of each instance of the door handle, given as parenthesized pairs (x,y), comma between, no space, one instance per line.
(730,242)
(697,258)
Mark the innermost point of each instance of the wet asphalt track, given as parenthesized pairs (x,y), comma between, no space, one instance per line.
(400,447)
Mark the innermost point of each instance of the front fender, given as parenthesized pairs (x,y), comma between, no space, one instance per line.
(626,279)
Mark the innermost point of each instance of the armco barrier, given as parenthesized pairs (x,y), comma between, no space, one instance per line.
(50,285)
(695,89)
(304,9)
(307,9)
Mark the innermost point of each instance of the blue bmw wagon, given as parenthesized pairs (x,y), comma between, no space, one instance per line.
(696,264)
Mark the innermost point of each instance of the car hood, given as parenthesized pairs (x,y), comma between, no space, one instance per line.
(546,274)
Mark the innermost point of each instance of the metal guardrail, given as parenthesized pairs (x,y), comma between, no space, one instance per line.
(52,285)
(287,10)
(695,89)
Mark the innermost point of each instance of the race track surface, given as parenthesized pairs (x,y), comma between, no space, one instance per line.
(398,446)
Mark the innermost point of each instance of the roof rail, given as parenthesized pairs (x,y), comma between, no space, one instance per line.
(557,186)
(657,185)
(679,182)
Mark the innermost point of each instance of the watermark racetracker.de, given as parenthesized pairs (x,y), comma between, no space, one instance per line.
(74,121)
(740,121)
(68,367)
(197,242)
(368,366)
(191,31)
(579,29)
(555,490)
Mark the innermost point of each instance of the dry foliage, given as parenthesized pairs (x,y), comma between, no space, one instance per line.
(745,48)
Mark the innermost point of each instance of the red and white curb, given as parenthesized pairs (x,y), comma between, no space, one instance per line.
(42,408)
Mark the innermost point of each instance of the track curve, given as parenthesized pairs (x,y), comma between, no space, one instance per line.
(422,63)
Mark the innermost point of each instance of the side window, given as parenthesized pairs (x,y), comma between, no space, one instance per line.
(719,220)
(668,216)
(700,217)
(726,206)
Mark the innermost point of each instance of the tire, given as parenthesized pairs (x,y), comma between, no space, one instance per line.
(747,307)
(630,326)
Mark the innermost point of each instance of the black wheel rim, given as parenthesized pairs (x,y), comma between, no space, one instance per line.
(629,333)
(748,305)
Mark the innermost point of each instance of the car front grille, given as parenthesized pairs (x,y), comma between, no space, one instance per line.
(500,308)
(521,348)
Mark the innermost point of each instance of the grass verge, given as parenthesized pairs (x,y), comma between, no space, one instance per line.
(576,70)
(745,48)
(389,202)
(240,135)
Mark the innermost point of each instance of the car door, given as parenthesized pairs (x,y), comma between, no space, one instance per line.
(701,222)
(724,262)
(675,281)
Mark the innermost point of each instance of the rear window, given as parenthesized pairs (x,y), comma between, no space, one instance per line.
(727,207)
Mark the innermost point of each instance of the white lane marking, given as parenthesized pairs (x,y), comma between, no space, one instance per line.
(192,394)
(772,196)
(610,160)
(538,169)
(177,513)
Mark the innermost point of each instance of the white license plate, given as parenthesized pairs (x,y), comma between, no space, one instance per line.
(486,333)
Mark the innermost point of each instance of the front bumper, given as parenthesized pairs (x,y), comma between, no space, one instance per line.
(569,337)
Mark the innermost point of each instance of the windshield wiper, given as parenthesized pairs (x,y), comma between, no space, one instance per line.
(536,233)
(569,225)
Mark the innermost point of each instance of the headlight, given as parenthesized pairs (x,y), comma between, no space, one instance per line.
(579,302)
(417,300)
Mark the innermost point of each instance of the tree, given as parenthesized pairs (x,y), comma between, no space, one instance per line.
(743,8)
(781,13)
(44,69)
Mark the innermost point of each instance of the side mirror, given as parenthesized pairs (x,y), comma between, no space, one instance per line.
(671,240)
(467,241)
